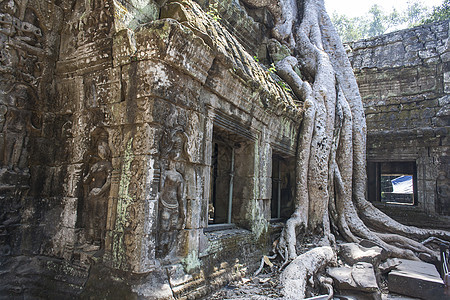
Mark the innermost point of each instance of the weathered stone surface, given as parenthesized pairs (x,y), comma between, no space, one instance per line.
(107,119)
(416,279)
(403,81)
(111,113)
(353,253)
(360,277)
(389,265)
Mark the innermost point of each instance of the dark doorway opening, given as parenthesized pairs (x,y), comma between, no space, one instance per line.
(392,182)
(282,205)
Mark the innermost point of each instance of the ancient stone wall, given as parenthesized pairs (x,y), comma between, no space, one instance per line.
(111,110)
(404,83)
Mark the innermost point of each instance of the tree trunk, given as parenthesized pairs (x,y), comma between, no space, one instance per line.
(331,156)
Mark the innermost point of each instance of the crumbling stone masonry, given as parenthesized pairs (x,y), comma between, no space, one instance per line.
(119,120)
(145,150)
(404,83)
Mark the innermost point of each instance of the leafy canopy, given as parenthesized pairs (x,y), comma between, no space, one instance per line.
(441,12)
(376,21)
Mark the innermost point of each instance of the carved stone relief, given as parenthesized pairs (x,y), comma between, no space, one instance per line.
(172,195)
(21,53)
(196,136)
(97,183)
(92,21)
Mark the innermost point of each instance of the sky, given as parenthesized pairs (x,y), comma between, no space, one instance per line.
(356,8)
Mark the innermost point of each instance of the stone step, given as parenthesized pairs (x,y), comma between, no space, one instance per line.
(417,279)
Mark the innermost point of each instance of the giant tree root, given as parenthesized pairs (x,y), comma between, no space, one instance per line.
(331,156)
(296,275)
(331,160)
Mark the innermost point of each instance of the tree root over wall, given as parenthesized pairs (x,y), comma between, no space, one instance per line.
(331,157)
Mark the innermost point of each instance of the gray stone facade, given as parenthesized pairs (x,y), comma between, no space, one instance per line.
(108,140)
(145,149)
(404,83)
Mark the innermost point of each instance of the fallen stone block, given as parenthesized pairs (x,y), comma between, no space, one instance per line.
(417,279)
(360,277)
(389,265)
(353,253)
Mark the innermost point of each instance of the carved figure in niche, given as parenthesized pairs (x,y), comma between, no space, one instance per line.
(21,53)
(97,183)
(172,198)
(17,125)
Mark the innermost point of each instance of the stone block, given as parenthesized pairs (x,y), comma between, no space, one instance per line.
(360,277)
(432,60)
(195,130)
(150,216)
(122,51)
(146,139)
(415,279)
(133,252)
(389,265)
(80,145)
(431,44)
(178,278)
(445,57)
(116,114)
(195,181)
(147,254)
(186,55)
(69,212)
(62,242)
(243,187)
(353,253)
(194,213)
(115,183)
(154,286)
(156,79)
(413,47)
(139,178)
(265,187)
(72,179)
(98,90)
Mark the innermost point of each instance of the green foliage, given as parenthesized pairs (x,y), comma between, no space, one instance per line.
(415,13)
(376,21)
(441,12)
(284,86)
(271,69)
(213,11)
(350,29)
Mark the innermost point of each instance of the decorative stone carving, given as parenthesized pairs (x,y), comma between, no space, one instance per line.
(137,181)
(20,55)
(172,196)
(196,137)
(97,183)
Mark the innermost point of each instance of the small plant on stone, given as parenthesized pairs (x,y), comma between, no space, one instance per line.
(271,69)
(213,11)
(284,86)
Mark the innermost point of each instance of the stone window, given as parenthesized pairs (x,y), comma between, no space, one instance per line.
(231,177)
(392,182)
(281,205)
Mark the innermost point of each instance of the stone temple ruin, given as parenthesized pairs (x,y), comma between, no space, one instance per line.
(404,83)
(146,150)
